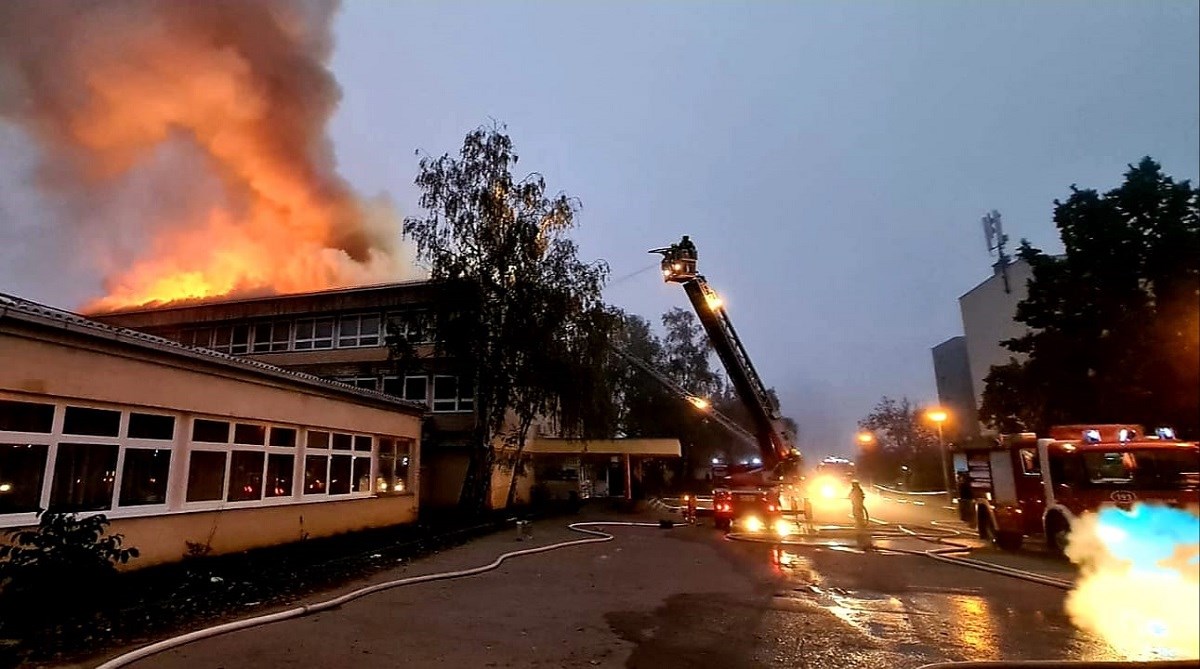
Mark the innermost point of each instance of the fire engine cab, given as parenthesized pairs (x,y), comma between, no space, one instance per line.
(1023,486)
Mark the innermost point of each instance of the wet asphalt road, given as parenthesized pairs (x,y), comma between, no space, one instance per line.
(672,599)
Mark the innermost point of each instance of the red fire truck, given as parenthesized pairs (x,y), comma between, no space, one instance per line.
(1023,486)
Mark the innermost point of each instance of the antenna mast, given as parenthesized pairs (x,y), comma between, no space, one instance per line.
(993,232)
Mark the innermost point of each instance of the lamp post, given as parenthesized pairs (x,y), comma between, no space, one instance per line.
(939,416)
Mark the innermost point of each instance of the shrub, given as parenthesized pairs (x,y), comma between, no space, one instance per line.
(62,566)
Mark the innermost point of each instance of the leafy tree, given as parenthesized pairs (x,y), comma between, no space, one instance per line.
(902,439)
(517,307)
(1114,325)
(58,568)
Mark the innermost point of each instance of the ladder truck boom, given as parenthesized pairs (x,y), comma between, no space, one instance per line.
(679,266)
(695,400)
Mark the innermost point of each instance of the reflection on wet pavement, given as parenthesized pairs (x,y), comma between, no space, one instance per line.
(908,607)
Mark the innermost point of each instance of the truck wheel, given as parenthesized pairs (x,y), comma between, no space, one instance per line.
(1057,529)
(1009,541)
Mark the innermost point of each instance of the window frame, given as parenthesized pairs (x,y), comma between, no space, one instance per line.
(460,404)
(358,339)
(181,447)
(310,343)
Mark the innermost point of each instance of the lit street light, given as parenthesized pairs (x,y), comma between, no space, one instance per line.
(865,438)
(699,402)
(939,416)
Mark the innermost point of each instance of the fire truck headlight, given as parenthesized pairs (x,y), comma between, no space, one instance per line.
(783,527)
(753,524)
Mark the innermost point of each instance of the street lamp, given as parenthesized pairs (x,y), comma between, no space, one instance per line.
(865,438)
(939,416)
(700,403)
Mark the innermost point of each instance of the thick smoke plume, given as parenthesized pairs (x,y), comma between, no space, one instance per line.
(1139,583)
(184,145)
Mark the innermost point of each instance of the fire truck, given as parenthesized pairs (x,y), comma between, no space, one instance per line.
(758,498)
(1024,486)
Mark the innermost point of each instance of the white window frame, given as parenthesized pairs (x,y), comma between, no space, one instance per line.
(182,447)
(273,344)
(460,404)
(417,325)
(358,339)
(310,343)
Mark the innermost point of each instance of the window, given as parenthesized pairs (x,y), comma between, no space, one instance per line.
(315,474)
(416,389)
(206,476)
(314,334)
(83,477)
(211,431)
(415,326)
(393,465)
(339,475)
(92,422)
(22,470)
(392,385)
(279,474)
(201,337)
(151,426)
(362,443)
(317,439)
(283,437)
(250,435)
(362,475)
(341,442)
(271,337)
(451,395)
(245,475)
(26,417)
(144,476)
(234,339)
(360,330)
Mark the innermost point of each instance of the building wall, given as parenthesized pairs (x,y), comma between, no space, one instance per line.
(952,372)
(987,316)
(356,360)
(66,369)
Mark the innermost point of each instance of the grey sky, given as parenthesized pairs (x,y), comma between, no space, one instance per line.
(831,160)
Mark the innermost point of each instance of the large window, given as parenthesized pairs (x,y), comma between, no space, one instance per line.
(246,476)
(84,475)
(22,471)
(233,339)
(271,337)
(26,417)
(392,476)
(452,394)
(359,330)
(206,476)
(144,476)
(415,326)
(201,337)
(314,334)
(83,459)
(411,388)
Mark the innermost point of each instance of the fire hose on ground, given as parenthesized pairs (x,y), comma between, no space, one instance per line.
(596,536)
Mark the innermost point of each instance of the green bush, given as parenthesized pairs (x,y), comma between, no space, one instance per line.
(59,568)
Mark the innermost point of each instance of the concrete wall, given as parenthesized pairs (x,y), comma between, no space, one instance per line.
(987,316)
(45,366)
(164,538)
(952,372)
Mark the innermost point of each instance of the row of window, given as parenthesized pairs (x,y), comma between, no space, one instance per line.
(308,334)
(74,458)
(450,393)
